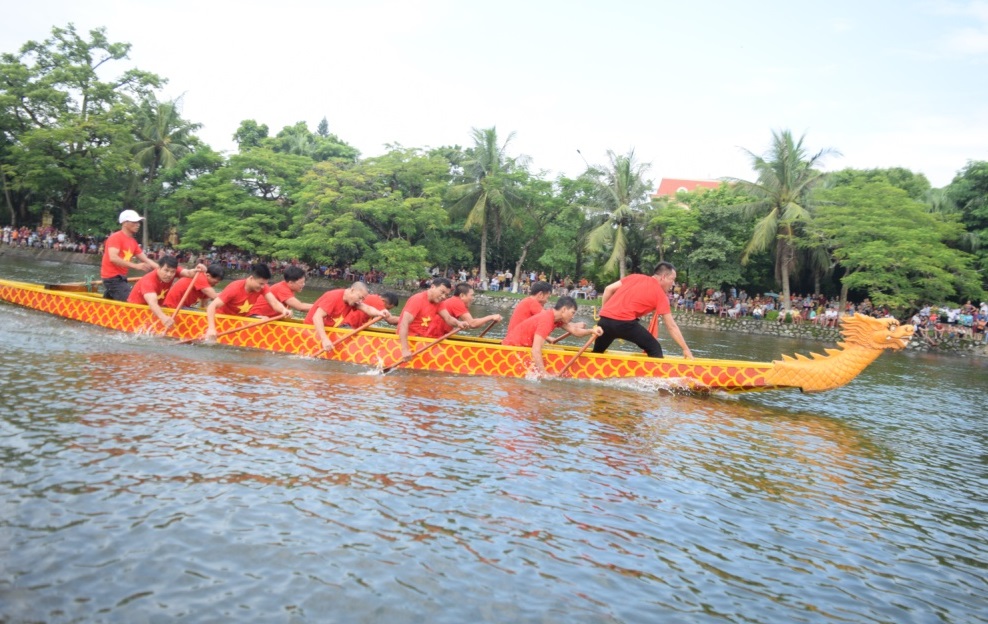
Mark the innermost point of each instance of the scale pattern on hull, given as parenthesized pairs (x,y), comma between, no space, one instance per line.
(472,356)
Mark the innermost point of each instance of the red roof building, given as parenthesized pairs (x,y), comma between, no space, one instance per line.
(668,187)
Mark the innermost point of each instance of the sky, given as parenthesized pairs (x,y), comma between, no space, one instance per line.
(691,87)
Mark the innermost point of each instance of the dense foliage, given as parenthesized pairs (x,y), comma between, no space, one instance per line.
(83,136)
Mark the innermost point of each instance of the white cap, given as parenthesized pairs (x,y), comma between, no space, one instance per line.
(130,215)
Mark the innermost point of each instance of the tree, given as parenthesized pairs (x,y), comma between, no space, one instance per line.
(491,191)
(969,192)
(66,131)
(782,196)
(617,206)
(250,134)
(163,137)
(891,247)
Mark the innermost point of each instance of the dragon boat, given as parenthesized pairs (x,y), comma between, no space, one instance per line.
(864,339)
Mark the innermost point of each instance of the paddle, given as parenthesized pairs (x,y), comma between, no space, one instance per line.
(578,354)
(487,329)
(557,338)
(336,342)
(234,330)
(73,286)
(388,369)
(181,301)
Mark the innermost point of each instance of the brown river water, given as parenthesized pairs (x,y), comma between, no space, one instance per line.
(144,481)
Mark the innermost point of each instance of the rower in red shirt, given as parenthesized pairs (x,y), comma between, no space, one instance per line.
(422,310)
(531,305)
(384,301)
(634,296)
(333,307)
(533,331)
(203,290)
(457,308)
(240,296)
(151,289)
(284,291)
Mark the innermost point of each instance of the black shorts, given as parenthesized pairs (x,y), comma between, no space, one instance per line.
(116,288)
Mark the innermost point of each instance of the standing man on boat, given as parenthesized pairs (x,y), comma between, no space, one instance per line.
(118,250)
(534,331)
(240,296)
(151,289)
(457,308)
(632,297)
(422,310)
(538,295)
(202,290)
(284,291)
(333,307)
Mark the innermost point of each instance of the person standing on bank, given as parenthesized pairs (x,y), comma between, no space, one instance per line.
(632,297)
(118,250)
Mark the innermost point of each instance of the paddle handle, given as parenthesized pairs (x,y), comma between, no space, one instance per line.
(557,338)
(234,330)
(578,354)
(336,343)
(488,328)
(181,302)
(408,358)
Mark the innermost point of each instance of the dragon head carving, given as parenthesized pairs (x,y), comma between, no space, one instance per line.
(872,333)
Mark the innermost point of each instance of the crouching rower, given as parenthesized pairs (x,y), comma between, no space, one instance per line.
(151,289)
(534,331)
(333,308)
(239,297)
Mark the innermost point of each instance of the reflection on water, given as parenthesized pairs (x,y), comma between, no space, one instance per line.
(144,481)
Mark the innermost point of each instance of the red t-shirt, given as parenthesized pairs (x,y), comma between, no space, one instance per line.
(237,301)
(178,288)
(526,309)
(281,292)
(637,296)
(150,283)
(357,317)
(331,302)
(523,335)
(128,249)
(424,314)
(456,308)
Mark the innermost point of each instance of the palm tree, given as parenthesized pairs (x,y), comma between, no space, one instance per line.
(619,200)
(785,177)
(162,139)
(492,190)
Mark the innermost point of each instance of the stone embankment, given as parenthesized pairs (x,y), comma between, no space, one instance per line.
(747,325)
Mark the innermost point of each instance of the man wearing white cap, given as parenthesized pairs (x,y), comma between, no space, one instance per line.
(118,250)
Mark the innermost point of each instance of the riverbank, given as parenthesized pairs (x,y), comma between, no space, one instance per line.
(746,325)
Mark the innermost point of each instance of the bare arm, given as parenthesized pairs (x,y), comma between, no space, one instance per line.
(301,306)
(403,323)
(152,300)
(211,318)
(276,305)
(317,321)
(580,329)
(537,359)
(145,263)
(677,335)
(609,290)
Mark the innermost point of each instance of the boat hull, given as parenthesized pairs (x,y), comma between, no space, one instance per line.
(380,348)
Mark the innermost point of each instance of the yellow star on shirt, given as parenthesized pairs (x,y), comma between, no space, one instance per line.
(425,321)
(338,320)
(245,307)
(161,296)
(127,255)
